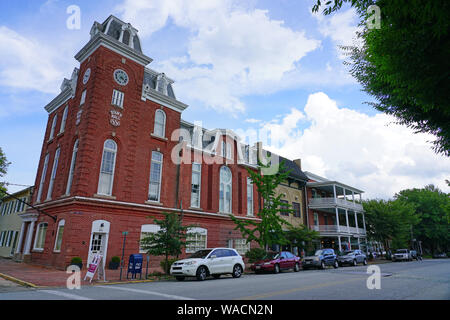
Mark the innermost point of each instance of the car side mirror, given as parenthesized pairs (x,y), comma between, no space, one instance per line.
(212,256)
(281,258)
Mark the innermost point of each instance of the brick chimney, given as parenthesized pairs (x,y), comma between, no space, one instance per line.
(298,162)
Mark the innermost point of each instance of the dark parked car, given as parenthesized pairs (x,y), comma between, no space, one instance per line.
(441,255)
(352,257)
(320,259)
(275,262)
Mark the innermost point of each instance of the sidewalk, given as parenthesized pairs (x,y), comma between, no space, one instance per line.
(41,276)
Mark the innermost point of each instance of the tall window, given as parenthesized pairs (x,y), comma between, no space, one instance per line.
(226,150)
(64,119)
(249,197)
(160,123)
(284,207)
(72,167)
(155,176)
(53,175)
(316,219)
(146,230)
(39,241)
(195,185)
(296,208)
(83,97)
(225,190)
(52,130)
(197,239)
(44,173)
(117,98)
(59,235)
(105,182)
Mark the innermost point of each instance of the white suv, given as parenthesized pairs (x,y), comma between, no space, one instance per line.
(402,254)
(206,262)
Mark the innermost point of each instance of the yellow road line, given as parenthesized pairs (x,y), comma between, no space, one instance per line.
(21,282)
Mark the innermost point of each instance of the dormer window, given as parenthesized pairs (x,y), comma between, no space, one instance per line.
(122,32)
(162,83)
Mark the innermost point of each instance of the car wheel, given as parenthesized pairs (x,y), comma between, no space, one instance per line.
(179,278)
(336,264)
(237,271)
(296,267)
(201,273)
(216,276)
(365,262)
(322,265)
(276,269)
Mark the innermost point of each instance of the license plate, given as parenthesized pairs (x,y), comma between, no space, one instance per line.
(307,262)
(258,267)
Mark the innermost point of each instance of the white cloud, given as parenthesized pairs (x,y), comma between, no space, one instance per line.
(27,64)
(368,152)
(232,51)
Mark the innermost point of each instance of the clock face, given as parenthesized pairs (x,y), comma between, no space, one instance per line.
(121,77)
(86,76)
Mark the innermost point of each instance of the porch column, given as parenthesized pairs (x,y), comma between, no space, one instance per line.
(334,192)
(359,245)
(29,236)
(364,223)
(19,244)
(339,241)
(346,219)
(337,219)
(356,222)
(353,197)
(349,243)
(345,198)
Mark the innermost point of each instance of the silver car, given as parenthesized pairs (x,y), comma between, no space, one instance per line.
(352,257)
(402,255)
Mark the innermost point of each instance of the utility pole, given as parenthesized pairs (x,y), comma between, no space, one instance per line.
(123,253)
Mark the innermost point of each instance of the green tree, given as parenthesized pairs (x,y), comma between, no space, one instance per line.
(169,240)
(405,64)
(433,208)
(3,170)
(301,236)
(269,230)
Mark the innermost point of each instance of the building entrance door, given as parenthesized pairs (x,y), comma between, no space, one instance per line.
(97,245)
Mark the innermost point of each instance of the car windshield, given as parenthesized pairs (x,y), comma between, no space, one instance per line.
(272,255)
(348,252)
(402,251)
(318,252)
(200,254)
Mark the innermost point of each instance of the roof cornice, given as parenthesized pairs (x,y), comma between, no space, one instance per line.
(60,99)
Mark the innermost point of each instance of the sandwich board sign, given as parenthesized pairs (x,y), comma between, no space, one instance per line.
(95,264)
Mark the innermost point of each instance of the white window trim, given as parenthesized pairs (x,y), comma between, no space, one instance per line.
(224,191)
(250,184)
(147,228)
(64,120)
(37,235)
(53,174)
(117,98)
(113,171)
(43,174)
(72,166)
(60,223)
(163,124)
(160,177)
(201,231)
(83,97)
(199,184)
(52,130)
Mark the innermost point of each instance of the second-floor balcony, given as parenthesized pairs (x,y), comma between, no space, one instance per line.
(334,229)
(334,202)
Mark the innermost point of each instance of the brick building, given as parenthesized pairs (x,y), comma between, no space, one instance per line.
(116,151)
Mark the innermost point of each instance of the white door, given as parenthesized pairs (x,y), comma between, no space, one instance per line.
(97,245)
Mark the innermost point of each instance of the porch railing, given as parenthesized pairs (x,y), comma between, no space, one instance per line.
(342,229)
(331,202)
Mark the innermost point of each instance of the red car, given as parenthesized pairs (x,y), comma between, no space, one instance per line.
(277,261)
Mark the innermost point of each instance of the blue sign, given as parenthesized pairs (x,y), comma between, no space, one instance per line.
(135,265)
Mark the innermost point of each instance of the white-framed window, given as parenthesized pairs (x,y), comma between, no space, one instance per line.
(196,184)
(44,173)
(117,98)
(2,238)
(59,236)
(72,167)
(53,175)
(154,188)
(2,208)
(160,123)
(52,130)
(316,219)
(106,179)
(196,239)
(41,231)
(241,246)
(64,119)
(83,97)
(225,190)
(249,197)
(147,229)
(9,238)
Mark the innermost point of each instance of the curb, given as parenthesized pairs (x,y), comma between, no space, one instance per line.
(21,282)
(121,282)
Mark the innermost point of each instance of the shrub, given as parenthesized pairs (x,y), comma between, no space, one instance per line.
(163,264)
(76,260)
(255,254)
(115,259)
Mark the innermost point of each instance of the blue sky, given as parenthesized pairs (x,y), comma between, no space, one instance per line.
(262,65)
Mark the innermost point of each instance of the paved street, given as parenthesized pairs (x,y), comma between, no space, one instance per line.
(428,279)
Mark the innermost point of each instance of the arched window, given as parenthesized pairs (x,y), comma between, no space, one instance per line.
(43,174)
(72,167)
(53,174)
(39,241)
(59,235)
(52,131)
(249,197)
(225,190)
(105,182)
(160,123)
(64,119)
(154,189)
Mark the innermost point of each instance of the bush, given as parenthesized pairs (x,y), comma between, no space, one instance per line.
(76,260)
(255,254)
(163,264)
(115,259)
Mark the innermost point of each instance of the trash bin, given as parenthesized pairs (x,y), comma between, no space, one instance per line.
(135,266)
